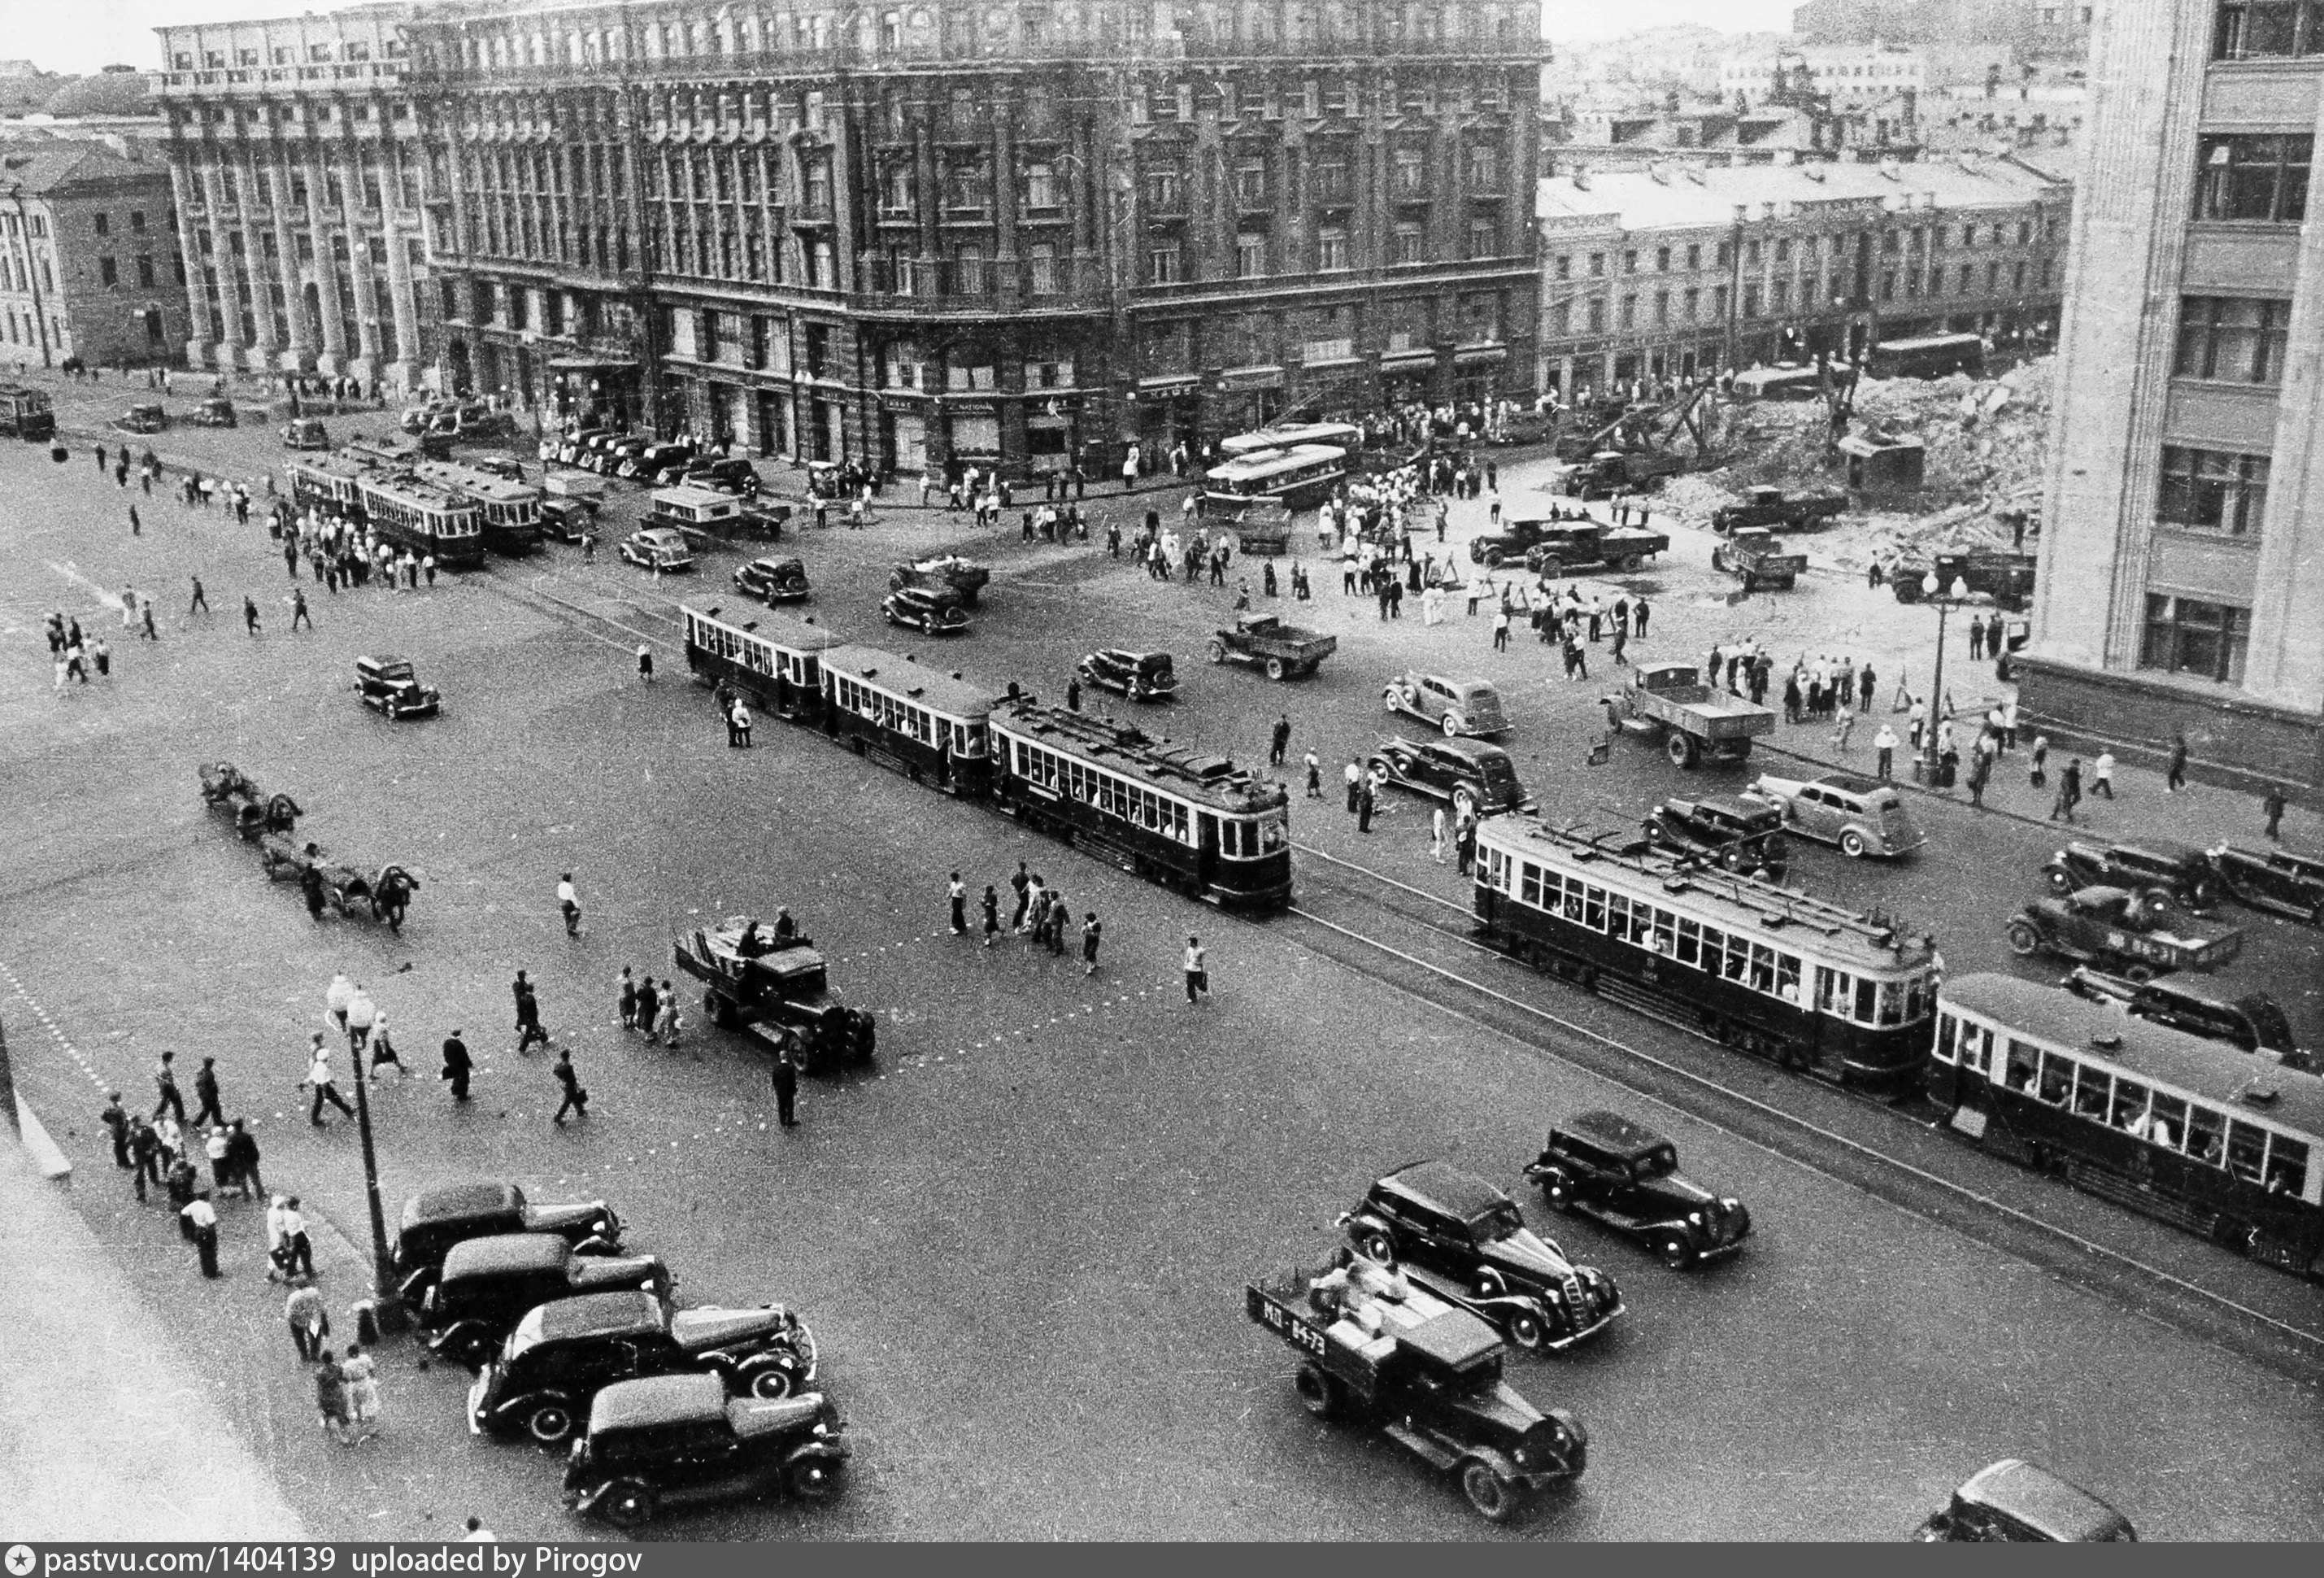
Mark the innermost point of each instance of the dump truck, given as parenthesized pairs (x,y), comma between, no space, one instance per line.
(1753,554)
(1772,507)
(1577,547)
(1264,641)
(1612,472)
(1694,722)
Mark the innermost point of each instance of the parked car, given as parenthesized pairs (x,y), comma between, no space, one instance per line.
(1738,835)
(679,1440)
(651,461)
(562,1354)
(614,454)
(928,609)
(1138,676)
(305,433)
(773,580)
(2252,1020)
(2122,931)
(1463,1236)
(1457,706)
(2272,878)
(2160,870)
(434,1220)
(389,686)
(2015,1502)
(566,518)
(726,475)
(658,547)
(142,419)
(568,450)
(946,571)
(216,412)
(1625,1175)
(1858,815)
(1478,778)
(487,1285)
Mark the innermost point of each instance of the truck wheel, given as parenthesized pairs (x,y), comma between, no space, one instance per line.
(1852,844)
(1275,670)
(1681,749)
(1552,566)
(812,1479)
(1525,1330)
(1672,1250)
(627,1504)
(2025,941)
(1633,563)
(1492,558)
(1319,1393)
(1218,651)
(1494,1497)
(717,1010)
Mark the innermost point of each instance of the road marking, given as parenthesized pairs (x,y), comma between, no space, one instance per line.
(55,1032)
(72,574)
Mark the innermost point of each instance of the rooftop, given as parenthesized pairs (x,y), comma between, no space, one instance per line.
(1701,196)
(57,163)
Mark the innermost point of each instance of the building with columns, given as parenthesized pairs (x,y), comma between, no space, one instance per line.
(2182,586)
(922,234)
(88,257)
(293,149)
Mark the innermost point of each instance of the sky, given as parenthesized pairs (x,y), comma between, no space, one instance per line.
(82,35)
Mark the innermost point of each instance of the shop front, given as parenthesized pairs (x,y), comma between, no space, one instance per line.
(1476,373)
(1169,412)
(973,431)
(1249,398)
(1052,433)
(1408,377)
(593,391)
(903,436)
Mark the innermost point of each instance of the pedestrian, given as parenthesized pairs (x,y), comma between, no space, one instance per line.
(2271,804)
(309,1322)
(1919,723)
(1060,912)
(1023,887)
(104,656)
(1198,969)
(298,1249)
(649,1008)
(568,904)
(2070,792)
(299,609)
(241,1161)
(359,1370)
(115,1119)
(383,1049)
(1092,932)
(645,663)
(249,614)
(1314,777)
(214,1152)
(1279,742)
(1642,619)
(1864,689)
(165,1082)
(2102,774)
(2175,778)
(331,1397)
(1976,639)
(2038,773)
(200,1224)
(145,631)
(627,1000)
(1883,745)
(992,913)
(741,722)
(311,888)
(456,1064)
(136,528)
(1436,835)
(1847,726)
(1354,775)
(1365,803)
(957,891)
(785,1076)
(1501,628)
(320,1081)
(1074,694)
(201,602)
(1465,843)
(576,1100)
(1981,769)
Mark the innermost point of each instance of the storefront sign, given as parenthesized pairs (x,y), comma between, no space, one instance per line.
(1395,361)
(1238,378)
(1175,384)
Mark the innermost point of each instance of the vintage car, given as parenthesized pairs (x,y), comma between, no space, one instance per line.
(1138,676)
(216,412)
(2252,1020)
(1624,1175)
(2160,870)
(569,449)
(1457,706)
(776,990)
(930,609)
(1737,836)
(651,463)
(1858,815)
(964,577)
(305,433)
(562,1354)
(724,475)
(566,518)
(658,547)
(773,580)
(2015,1502)
(2272,878)
(1464,1239)
(2121,931)
(434,1220)
(614,454)
(1377,1350)
(1478,778)
(141,418)
(388,686)
(487,1285)
(679,1440)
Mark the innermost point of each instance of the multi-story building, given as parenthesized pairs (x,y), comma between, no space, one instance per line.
(2183,560)
(294,151)
(1842,75)
(88,263)
(1681,270)
(2057,30)
(919,234)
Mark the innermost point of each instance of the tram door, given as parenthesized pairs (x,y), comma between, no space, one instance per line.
(1206,862)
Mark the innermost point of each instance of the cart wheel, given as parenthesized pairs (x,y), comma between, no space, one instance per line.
(1672,1251)
(1275,670)
(1494,1497)
(2025,941)
(812,1479)
(1526,1330)
(1319,1393)
(1852,844)
(1681,750)
(627,1504)
(1218,651)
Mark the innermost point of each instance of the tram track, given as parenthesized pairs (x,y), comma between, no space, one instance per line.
(1398,935)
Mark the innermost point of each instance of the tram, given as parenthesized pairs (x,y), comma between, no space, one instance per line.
(26,412)
(1301,478)
(1168,813)
(1781,382)
(774,659)
(1344,435)
(426,519)
(1768,969)
(329,483)
(509,512)
(392,451)
(1928,356)
(925,724)
(2195,1132)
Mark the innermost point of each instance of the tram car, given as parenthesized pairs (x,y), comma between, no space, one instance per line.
(423,518)
(925,722)
(329,483)
(774,659)
(509,511)
(2192,1131)
(1169,813)
(1768,969)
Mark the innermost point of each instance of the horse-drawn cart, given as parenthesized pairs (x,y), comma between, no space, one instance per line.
(228,788)
(386,892)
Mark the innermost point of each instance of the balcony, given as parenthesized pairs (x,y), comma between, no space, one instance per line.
(982,286)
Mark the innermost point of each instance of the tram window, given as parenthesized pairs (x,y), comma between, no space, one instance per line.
(2287,1167)
(1919,999)
(1593,914)
(2206,1133)
(1571,907)
(1642,924)
(2246,1147)
(1976,1049)
(1178,822)
(2166,1122)
(1552,893)
(1667,934)
(1763,967)
(2057,1078)
(1531,892)
(2130,1099)
(1497,869)
(2091,1089)
(1738,957)
(1273,835)
(1832,991)
(1868,993)
(1690,942)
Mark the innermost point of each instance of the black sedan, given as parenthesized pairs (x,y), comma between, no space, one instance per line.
(1476,778)
(1138,676)
(2159,869)
(773,580)
(932,612)
(1625,1175)
(2272,878)
(1736,834)
(388,685)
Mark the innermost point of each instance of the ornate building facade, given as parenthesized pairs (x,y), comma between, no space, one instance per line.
(1022,234)
(88,257)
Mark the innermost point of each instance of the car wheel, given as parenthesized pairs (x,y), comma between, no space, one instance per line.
(1672,1250)
(1492,558)
(2139,973)
(1495,1499)
(627,1504)
(1551,568)
(1319,1393)
(550,1423)
(1218,651)
(1376,1245)
(813,1478)
(1526,1330)
(1852,844)
(2025,941)
(1391,699)
(1453,723)
(1275,670)
(1464,803)
(770,1384)
(2061,880)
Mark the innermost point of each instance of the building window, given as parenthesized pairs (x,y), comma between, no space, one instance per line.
(2251,30)
(1162,263)
(1751,300)
(1627,312)
(145,269)
(1250,182)
(1331,249)
(1331,178)
(1597,265)
(2252,177)
(1661,260)
(1162,193)
(1250,255)
(1484,238)
(2209,490)
(1690,303)
(1564,265)
(1482,166)
(1968,277)
(1041,192)
(1406,244)
(2232,339)
(1630,261)
(1597,315)
(2206,640)
(1694,256)
(1408,173)
(107,272)
(1561,320)
(100,222)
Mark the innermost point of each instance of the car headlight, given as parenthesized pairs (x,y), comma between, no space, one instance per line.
(1695,1217)
(1519,1457)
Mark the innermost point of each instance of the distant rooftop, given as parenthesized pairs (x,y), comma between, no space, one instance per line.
(1698,196)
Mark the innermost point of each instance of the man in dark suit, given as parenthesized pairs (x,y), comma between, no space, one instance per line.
(786,1081)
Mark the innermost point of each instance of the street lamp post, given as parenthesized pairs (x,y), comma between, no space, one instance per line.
(383,1267)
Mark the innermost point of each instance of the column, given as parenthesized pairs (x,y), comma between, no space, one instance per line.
(261,304)
(401,289)
(181,194)
(297,333)
(928,183)
(2283,661)
(228,350)
(334,359)
(359,263)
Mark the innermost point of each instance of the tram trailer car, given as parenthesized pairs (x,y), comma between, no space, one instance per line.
(425,519)
(927,725)
(771,658)
(1768,969)
(2194,1132)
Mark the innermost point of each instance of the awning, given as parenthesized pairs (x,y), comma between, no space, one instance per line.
(1334,364)
(1480,355)
(1251,378)
(1175,384)
(1392,360)
(592,365)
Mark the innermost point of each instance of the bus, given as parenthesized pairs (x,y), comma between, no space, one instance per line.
(927,725)
(1300,477)
(329,483)
(2198,1133)
(426,519)
(27,414)
(1929,356)
(774,659)
(511,511)
(1843,995)
(1343,436)
(1168,813)
(1786,381)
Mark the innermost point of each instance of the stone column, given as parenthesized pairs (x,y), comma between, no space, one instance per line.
(181,194)
(228,351)
(334,359)
(359,263)
(261,304)
(401,289)
(298,349)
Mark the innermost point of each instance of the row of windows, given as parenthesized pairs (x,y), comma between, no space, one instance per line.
(1240,838)
(356,49)
(2251,30)
(1777,300)
(751,653)
(2158,1115)
(2211,490)
(1809,248)
(2252,176)
(426,519)
(2232,339)
(966,740)
(1730,955)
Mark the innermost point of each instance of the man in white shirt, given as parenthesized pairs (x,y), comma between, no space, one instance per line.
(319,1076)
(568,902)
(335,998)
(361,1016)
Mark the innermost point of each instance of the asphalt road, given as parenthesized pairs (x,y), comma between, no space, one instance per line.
(1022,1240)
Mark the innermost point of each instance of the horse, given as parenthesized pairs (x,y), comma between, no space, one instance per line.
(391,895)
